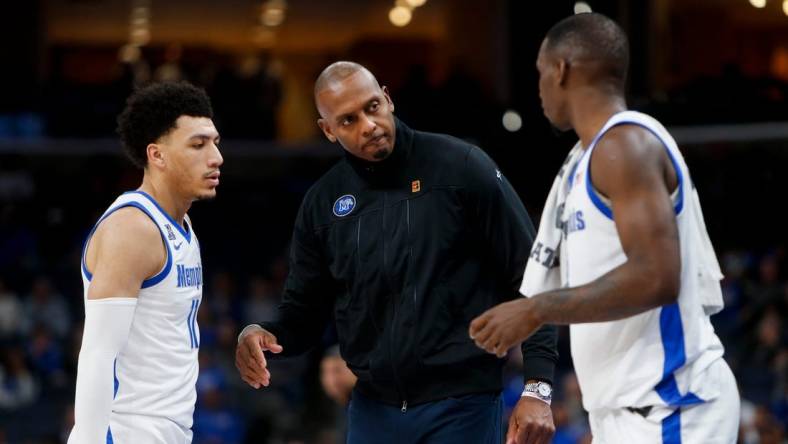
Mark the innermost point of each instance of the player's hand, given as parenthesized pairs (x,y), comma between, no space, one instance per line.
(250,360)
(505,325)
(531,422)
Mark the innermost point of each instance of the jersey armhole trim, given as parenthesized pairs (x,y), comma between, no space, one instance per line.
(605,208)
(187,234)
(147,282)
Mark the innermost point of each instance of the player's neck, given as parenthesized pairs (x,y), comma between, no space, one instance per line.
(174,205)
(591,113)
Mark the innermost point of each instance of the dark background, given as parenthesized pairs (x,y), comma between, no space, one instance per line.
(714,71)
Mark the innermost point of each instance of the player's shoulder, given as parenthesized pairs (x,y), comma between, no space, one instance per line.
(126,244)
(627,157)
(628,144)
(128,226)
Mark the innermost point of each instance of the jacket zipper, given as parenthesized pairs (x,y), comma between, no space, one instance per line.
(387,276)
(410,252)
(358,245)
(385,253)
(410,262)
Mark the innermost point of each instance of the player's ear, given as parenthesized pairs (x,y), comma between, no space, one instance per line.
(562,71)
(155,155)
(326,128)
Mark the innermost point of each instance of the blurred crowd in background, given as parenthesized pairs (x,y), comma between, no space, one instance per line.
(40,332)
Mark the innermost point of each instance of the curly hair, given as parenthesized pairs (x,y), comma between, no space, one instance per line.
(151,112)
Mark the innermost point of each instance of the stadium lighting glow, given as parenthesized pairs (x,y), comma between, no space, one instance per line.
(140,13)
(273,17)
(264,37)
(512,121)
(582,7)
(758,3)
(415,3)
(273,13)
(139,30)
(400,16)
(140,36)
(129,53)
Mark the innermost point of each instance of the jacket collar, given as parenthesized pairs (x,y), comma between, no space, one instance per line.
(392,166)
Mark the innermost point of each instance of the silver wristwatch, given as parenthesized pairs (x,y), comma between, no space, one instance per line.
(539,390)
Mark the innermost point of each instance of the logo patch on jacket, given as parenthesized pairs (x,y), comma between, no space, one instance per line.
(344,205)
(415,186)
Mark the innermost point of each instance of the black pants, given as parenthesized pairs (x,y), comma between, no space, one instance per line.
(473,419)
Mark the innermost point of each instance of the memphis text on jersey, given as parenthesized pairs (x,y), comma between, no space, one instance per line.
(189,276)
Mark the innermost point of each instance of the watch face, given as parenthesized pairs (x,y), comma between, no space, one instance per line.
(544,389)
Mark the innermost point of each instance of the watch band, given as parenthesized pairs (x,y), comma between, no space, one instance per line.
(535,396)
(539,390)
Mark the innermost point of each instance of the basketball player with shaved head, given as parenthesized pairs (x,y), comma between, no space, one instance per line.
(639,278)
(142,274)
(402,243)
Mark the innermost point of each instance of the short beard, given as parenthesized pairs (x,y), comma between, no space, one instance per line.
(381,154)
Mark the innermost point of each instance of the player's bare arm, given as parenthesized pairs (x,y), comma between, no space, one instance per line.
(125,250)
(631,168)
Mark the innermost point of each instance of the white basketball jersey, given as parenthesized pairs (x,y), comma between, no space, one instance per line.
(156,372)
(654,358)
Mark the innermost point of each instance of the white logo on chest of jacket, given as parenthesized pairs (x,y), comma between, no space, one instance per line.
(344,205)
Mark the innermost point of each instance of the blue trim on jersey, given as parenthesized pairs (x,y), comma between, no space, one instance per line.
(598,203)
(168,266)
(116,383)
(189,324)
(109,436)
(147,282)
(187,234)
(679,175)
(194,323)
(88,274)
(679,205)
(574,170)
(604,208)
(672,333)
(671,428)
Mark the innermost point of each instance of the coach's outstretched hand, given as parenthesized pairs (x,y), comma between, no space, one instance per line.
(504,326)
(249,358)
(531,422)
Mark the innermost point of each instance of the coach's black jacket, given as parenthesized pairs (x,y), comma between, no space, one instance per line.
(433,236)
